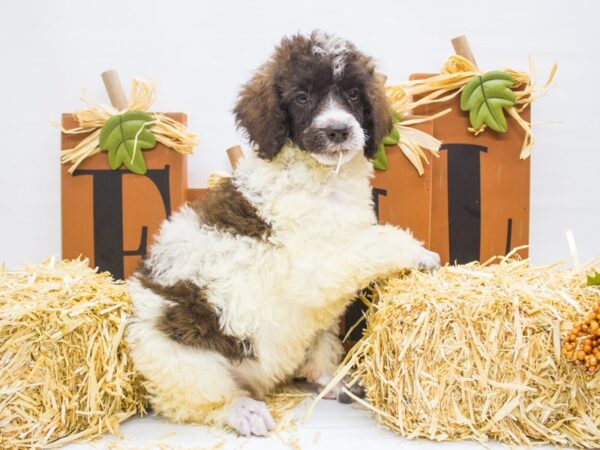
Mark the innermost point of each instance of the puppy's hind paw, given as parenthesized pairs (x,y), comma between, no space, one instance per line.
(337,391)
(250,417)
(427,261)
(356,389)
(323,381)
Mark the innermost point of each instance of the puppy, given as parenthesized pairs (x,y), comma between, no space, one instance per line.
(244,290)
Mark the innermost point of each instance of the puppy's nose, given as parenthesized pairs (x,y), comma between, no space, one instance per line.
(337,132)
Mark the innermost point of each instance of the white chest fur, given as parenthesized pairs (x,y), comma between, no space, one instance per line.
(297,194)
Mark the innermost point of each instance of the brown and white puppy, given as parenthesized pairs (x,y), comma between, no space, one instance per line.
(243,291)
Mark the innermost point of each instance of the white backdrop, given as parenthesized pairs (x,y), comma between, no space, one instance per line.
(200,53)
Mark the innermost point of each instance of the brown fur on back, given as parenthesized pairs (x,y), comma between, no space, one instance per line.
(226,209)
(192,321)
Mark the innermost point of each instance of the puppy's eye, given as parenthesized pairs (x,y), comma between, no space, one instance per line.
(302,98)
(353,95)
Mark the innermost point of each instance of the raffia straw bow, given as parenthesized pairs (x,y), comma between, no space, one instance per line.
(456,72)
(142,95)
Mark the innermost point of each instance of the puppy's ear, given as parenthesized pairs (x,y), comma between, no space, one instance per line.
(378,117)
(259,112)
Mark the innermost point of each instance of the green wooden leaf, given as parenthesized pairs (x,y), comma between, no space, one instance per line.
(118,137)
(593,279)
(485,97)
(393,138)
(380,161)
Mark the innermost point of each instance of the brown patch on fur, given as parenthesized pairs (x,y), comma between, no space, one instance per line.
(142,270)
(378,117)
(226,209)
(259,112)
(192,321)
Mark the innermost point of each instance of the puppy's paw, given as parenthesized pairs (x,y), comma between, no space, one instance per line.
(250,417)
(355,389)
(323,381)
(427,260)
(337,393)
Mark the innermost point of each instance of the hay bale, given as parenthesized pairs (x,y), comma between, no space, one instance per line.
(474,352)
(64,370)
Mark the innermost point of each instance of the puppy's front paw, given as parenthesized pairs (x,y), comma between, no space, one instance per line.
(427,260)
(248,416)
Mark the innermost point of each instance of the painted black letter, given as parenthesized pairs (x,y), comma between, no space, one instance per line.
(464,201)
(108,216)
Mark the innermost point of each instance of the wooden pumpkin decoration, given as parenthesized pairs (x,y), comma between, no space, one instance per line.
(125,177)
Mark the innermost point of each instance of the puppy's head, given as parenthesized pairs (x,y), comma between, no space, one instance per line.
(321,93)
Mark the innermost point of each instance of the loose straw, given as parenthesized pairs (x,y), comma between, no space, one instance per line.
(167,131)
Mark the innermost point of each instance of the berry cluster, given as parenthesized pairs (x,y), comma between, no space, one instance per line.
(582,344)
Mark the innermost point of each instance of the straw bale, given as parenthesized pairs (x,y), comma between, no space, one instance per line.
(474,352)
(64,369)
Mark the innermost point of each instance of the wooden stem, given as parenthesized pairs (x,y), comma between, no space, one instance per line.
(462,48)
(235,153)
(115,90)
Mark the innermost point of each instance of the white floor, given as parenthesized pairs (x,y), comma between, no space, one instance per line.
(332,426)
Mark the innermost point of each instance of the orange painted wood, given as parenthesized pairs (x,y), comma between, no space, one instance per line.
(141,200)
(439,227)
(421,203)
(407,198)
